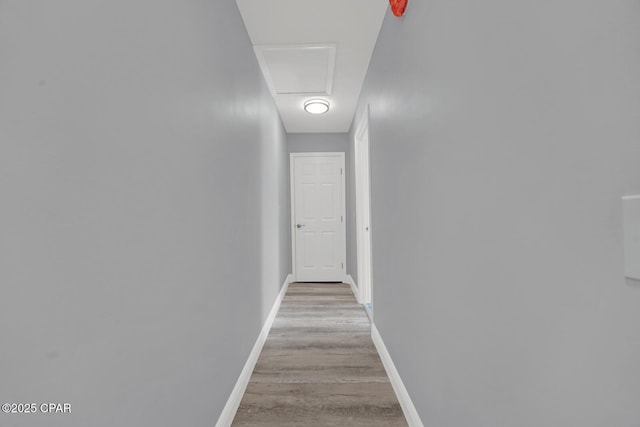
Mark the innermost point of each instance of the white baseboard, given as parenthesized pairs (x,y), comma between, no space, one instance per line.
(230,409)
(354,288)
(409,410)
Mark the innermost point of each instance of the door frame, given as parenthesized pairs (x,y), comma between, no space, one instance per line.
(292,157)
(362,173)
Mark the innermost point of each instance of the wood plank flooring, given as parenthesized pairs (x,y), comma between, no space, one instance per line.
(319,366)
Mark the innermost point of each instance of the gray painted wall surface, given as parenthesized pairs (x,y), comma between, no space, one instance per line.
(317,142)
(352,253)
(142,240)
(330,142)
(502,136)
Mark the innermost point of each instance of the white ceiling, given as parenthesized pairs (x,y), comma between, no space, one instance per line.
(314,49)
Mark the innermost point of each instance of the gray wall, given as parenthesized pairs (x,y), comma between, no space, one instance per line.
(142,241)
(352,252)
(330,142)
(503,134)
(317,142)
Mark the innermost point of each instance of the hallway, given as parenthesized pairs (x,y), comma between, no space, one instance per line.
(149,232)
(319,366)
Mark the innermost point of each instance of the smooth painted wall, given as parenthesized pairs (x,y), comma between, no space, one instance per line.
(503,134)
(352,237)
(143,169)
(317,142)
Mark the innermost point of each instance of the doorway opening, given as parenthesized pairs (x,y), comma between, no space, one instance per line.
(363,211)
(318,232)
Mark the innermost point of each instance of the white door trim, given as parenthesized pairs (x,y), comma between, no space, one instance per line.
(292,157)
(363,208)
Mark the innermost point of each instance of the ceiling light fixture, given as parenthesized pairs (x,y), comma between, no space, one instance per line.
(316,106)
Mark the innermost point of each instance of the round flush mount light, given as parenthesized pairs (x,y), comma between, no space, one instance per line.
(316,106)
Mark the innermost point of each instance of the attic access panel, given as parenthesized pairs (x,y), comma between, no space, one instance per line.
(298,69)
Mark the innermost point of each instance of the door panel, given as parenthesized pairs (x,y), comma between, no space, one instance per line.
(363,211)
(318,209)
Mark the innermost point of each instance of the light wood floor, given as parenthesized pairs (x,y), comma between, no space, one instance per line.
(319,366)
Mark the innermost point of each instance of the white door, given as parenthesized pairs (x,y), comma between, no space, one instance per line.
(318,199)
(363,209)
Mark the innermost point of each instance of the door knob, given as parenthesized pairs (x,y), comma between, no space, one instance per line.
(299,225)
